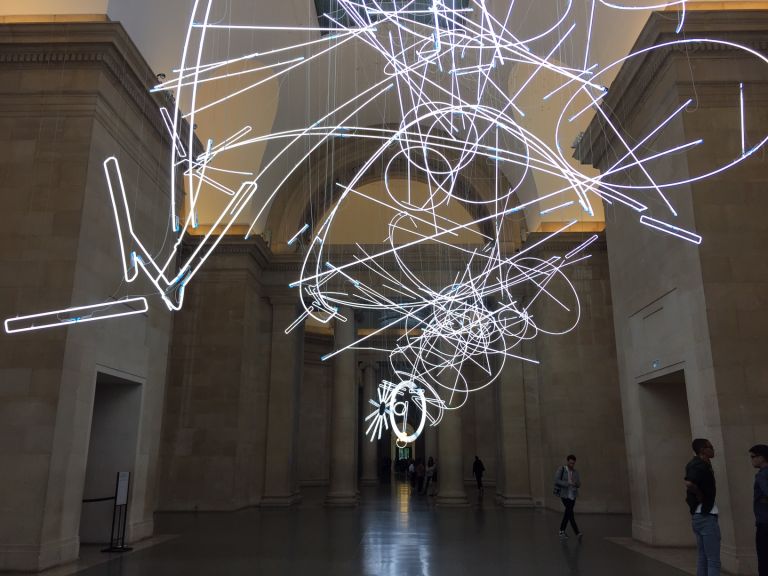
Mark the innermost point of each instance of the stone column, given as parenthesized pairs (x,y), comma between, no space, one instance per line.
(369,449)
(513,485)
(450,461)
(430,442)
(286,373)
(343,483)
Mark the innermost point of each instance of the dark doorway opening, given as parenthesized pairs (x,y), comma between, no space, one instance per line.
(667,443)
(111,449)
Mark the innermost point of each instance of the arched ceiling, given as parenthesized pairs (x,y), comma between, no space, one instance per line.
(368,222)
(158,28)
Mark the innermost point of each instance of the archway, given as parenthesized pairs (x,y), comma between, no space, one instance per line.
(317,187)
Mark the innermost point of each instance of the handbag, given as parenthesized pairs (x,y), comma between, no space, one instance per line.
(558,490)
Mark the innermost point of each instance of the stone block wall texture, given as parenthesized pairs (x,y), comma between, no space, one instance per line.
(572,401)
(695,310)
(70,96)
(214,424)
(522,427)
(479,434)
(237,430)
(73,94)
(314,446)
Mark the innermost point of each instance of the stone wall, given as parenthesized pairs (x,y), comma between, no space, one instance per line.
(687,317)
(214,426)
(572,402)
(315,412)
(70,96)
(243,422)
(728,212)
(479,434)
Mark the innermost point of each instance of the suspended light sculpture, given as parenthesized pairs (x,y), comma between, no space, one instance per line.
(442,61)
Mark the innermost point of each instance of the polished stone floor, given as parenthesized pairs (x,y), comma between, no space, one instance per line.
(390,533)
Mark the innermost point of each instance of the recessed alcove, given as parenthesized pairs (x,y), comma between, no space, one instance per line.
(111,449)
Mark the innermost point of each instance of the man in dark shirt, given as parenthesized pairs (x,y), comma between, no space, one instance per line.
(700,496)
(759,456)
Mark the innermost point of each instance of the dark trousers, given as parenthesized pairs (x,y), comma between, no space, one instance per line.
(568,515)
(761,543)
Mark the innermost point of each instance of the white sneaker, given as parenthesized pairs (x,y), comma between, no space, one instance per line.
(563,535)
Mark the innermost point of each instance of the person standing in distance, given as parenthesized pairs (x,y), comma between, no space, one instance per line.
(567,483)
(430,475)
(700,497)
(477,471)
(759,456)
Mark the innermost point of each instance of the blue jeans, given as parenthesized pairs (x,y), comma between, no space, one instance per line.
(707,531)
(568,516)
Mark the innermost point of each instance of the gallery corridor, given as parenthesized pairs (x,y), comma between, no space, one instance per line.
(390,533)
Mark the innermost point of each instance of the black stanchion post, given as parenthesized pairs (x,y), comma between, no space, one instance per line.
(120,514)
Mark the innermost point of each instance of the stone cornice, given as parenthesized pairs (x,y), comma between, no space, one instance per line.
(73,44)
(431,256)
(321,340)
(638,75)
(275,271)
(255,247)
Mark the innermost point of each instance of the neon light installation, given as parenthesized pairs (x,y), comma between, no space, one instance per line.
(447,70)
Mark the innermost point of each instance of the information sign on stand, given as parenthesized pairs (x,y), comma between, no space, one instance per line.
(120,514)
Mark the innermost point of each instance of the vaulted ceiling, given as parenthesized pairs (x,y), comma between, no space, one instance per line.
(299,99)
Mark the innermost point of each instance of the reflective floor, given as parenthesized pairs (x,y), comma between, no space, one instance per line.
(391,533)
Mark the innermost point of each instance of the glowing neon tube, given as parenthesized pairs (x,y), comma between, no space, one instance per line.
(76,314)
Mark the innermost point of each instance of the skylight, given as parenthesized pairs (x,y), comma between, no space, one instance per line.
(331,14)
